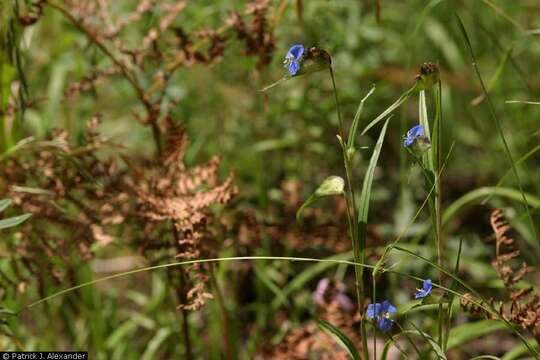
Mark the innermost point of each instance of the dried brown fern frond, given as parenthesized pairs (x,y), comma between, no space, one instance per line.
(258,39)
(505,251)
(160,49)
(479,308)
(67,189)
(83,200)
(522,306)
(174,197)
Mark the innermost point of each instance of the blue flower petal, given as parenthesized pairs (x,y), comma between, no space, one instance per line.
(293,67)
(408,141)
(387,307)
(385,324)
(427,286)
(293,59)
(373,310)
(415,133)
(425,291)
(295,52)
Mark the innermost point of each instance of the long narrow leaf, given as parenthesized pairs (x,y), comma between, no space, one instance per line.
(499,127)
(461,334)
(429,339)
(4,204)
(13,221)
(343,340)
(477,195)
(354,126)
(368,179)
(389,110)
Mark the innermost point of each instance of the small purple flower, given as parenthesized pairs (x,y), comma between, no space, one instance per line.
(293,59)
(415,133)
(425,290)
(322,287)
(381,313)
(328,291)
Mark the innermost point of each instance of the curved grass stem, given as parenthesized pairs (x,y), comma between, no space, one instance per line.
(358,251)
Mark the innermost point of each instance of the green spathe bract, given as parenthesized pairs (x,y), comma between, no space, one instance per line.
(332,185)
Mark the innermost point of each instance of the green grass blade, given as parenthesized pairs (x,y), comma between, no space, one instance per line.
(363,206)
(504,14)
(392,341)
(522,102)
(343,340)
(4,204)
(452,296)
(13,221)
(424,121)
(496,76)
(461,334)
(509,171)
(155,343)
(477,195)
(332,261)
(261,274)
(126,329)
(354,126)
(498,126)
(518,351)
(431,341)
(389,110)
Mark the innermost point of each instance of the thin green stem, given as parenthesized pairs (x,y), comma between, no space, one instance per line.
(499,128)
(438,203)
(359,253)
(336,98)
(406,334)
(374,301)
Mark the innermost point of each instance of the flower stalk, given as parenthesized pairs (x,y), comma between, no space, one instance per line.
(358,249)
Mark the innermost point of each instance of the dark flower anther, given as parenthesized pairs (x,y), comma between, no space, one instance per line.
(381,312)
(425,290)
(293,59)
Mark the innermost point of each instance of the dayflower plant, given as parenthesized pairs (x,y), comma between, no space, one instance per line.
(381,313)
(293,59)
(425,290)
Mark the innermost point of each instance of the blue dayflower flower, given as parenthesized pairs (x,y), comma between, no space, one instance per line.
(415,133)
(373,310)
(293,59)
(388,308)
(425,290)
(416,140)
(385,324)
(381,313)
